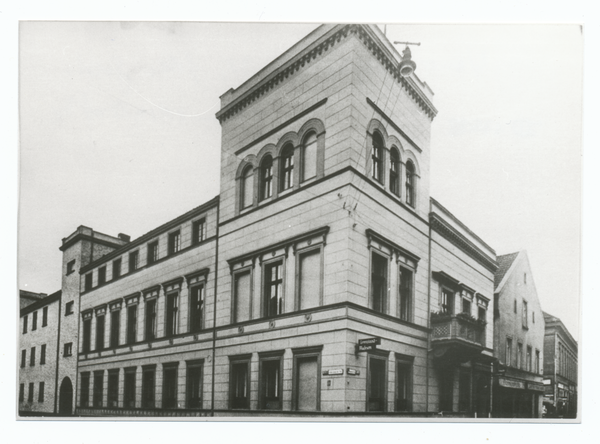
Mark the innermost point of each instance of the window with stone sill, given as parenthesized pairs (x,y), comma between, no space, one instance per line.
(377,157)
(152,252)
(271,380)
(266,178)
(68,349)
(286,170)
(394,171)
(102,275)
(174,244)
(199,230)
(410,183)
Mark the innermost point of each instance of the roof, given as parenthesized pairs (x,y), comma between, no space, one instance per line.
(41,303)
(29,297)
(504,263)
(549,320)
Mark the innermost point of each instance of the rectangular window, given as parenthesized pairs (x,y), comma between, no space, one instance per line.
(41,392)
(309,279)
(30,395)
(481,313)
(307,380)
(129,388)
(133,260)
(34,321)
(32,357)
(116,269)
(25,324)
(169,393)
(85,389)
(379,282)
(148,386)
(98,388)
(528,359)
(113,388)
(193,386)
(70,267)
(376,383)
(115,328)
(406,293)
(270,377)
(150,320)
(446,301)
(23,358)
(88,282)
(45,317)
(446,379)
(196,308)
(68,349)
(464,391)
(515,306)
(174,242)
(152,252)
(87,335)
(239,384)
(172,314)
(508,356)
(466,306)
(309,157)
(69,308)
(519,355)
(273,289)
(100,332)
(525,316)
(102,275)
(403,386)
(241,296)
(247,192)
(131,324)
(21,392)
(537,361)
(199,230)
(43,354)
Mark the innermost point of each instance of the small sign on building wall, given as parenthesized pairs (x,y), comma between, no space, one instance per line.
(334,372)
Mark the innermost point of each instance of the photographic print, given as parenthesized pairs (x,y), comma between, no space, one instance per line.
(340,221)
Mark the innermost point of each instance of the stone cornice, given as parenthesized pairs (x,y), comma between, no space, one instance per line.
(280,75)
(456,238)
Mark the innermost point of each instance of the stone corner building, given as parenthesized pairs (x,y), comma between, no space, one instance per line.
(323,280)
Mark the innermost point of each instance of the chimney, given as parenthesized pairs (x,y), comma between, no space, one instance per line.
(124,237)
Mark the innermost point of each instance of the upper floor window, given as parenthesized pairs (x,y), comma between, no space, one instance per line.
(69,308)
(133,260)
(199,231)
(100,332)
(446,301)
(508,356)
(101,275)
(410,183)
(287,167)
(115,327)
(406,293)
(247,185)
(525,314)
(172,313)
(23,358)
(43,354)
(377,157)
(266,177)
(150,315)
(45,316)
(379,282)
(25,324)
(242,291)
(196,308)
(131,336)
(152,252)
(88,282)
(68,349)
(395,171)
(87,334)
(32,357)
(309,156)
(116,268)
(519,355)
(174,242)
(528,359)
(34,321)
(70,267)
(273,289)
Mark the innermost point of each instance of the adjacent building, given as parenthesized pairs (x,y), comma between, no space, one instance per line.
(518,340)
(560,369)
(38,353)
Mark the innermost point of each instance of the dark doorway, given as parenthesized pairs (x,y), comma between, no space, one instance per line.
(65,398)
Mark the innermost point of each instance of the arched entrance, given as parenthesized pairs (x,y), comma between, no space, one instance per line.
(65,398)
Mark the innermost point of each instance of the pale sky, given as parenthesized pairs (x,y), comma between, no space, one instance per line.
(118,133)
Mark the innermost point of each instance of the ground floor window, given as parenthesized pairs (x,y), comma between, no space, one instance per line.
(194,384)
(30,396)
(113,388)
(376,383)
(270,370)
(403,384)
(85,390)
(464,391)
(98,388)
(129,388)
(41,392)
(307,379)
(21,392)
(148,386)
(446,381)
(239,383)
(170,386)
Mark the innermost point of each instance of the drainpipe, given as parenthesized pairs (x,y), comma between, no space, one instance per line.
(214,338)
(428,318)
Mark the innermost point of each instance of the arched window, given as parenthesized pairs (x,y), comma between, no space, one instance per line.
(309,156)
(266,178)
(410,183)
(247,185)
(395,171)
(287,167)
(377,158)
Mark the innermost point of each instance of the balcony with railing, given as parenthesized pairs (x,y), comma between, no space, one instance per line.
(461,334)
